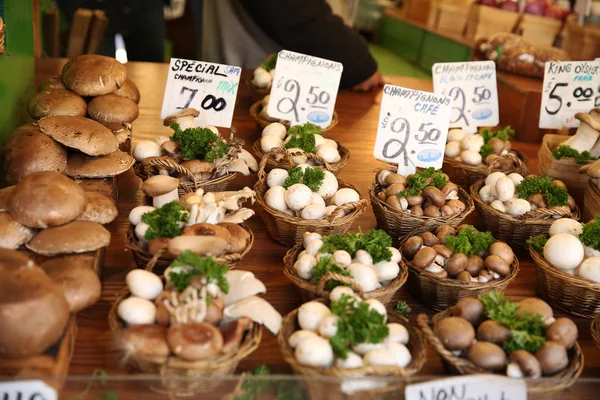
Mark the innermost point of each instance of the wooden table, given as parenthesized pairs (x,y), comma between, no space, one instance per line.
(358,114)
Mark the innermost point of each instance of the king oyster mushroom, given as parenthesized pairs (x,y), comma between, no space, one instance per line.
(162,189)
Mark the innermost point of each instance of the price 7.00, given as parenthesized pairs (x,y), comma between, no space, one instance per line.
(209,101)
(481,94)
(395,148)
(580,94)
(316,98)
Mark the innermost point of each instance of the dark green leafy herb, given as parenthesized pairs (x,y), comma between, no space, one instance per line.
(563,151)
(164,221)
(470,241)
(402,308)
(538,243)
(303,137)
(294,176)
(527,332)
(284,390)
(486,150)
(421,179)
(591,234)
(325,265)
(503,134)
(357,324)
(553,194)
(270,62)
(374,241)
(198,267)
(199,143)
(312,177)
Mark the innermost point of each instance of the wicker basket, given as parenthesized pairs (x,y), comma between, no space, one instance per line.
(462,366)
(399,224)
(591,202)
(257,93)
(142,257)
(334,168)
(256,108)
(210,185)
(322,390)
(516,230)
(564,292)
(174,367)
(595,330)
(465,175)
(289,230)
(310,290)
(439,294)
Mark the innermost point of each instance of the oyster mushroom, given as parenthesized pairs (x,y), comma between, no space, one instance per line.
(258,310)
(242,284)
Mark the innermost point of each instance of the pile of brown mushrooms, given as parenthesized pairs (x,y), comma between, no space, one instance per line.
(52,215)
(36,302)
(430,202)
(428,253)
(469,334)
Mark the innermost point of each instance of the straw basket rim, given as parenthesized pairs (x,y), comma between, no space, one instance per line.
(519,157)
(595,330)
(257,106)
(565,378)
(567,161)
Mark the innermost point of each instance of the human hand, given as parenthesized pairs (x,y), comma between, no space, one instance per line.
(375,81)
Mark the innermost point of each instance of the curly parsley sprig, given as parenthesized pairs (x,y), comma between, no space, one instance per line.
(470,241)
(196,266)
(502,133)
(591,234)
(553,194)
(165,221)
(199,143)
(374,241)
(311,177)
(303,137)
(563,151)
(421,179)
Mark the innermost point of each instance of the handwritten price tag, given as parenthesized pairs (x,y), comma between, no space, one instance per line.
(569,87)
(27,390)
(472,87)
(472,387)
(304,89)
(207,87)
(412,130)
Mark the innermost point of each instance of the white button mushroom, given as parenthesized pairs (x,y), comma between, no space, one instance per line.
(471,157)
(297,159)
(564,251)
(363,257)
(518,207)
(400,352)
(589,251)
(329,186)
(364,348)
(135,311)
(565,225)
(378,307)
(276,177)
(310,315)
(314,212)
(485,193)
(328,326)
(329,154)
(313,247)
(275,129)
(161,139)
(365,276)
(304,265)
(298,196)
(455,135)
(261,78)
(505,189)
(452,149)
(135,216)
(498,205)
(145,149)
(396,255)
(341,258)
(317,199)
(472,143)
(275,198)
(309,237)
(319,140)
(331,209)
(270,142)
(144,284)
(516,178)
(339,291)
(590,269)
(314,352)
(398,333)
(140,230)
(298,336)
(352,360)
(386,270)
(345,195)
(380,356)
(329,142)
(492,178)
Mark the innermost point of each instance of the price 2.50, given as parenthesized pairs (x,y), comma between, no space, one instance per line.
(208,102)
(555,98)
(316,98)
(396,148)
(481,95)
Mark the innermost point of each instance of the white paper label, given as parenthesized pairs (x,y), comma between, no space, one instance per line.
(209,88)
(304,89)
(412,129)
(473,90)
(569,87)
(471,387)
(27,390)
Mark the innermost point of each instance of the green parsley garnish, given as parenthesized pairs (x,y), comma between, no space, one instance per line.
(199,143)
(303,137)
(421,179)
(553,194)
(502,134)
(374,241)
(357,324)
(197,267)
(563,151)
(325,265)
(538,243)
(270,62)
(591,234)
(312,177)
(165,221)
(402,308)
(470,241)
(528,331)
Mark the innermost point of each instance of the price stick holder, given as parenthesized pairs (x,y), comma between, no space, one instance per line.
(569,87)
(209,88)
(473,387)
(304,89)
(412,129)
(473,90)
(27,390)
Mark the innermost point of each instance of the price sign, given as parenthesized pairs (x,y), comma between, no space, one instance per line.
(569,87)
(209,88)
(471,387)
(27,390)
(304,89)
(472,87)
(413,127)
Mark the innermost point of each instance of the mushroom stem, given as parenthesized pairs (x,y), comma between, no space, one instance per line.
(185,122)
(193,214)
(159,201)
(514,371)
(163,172)
(586,136)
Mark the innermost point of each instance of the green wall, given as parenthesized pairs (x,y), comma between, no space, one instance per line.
(16,64)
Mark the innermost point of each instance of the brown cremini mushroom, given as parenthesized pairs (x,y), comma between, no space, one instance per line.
(51,102)
(563,331)
(395,178)
(429,239)
(201,170)
(54,82)
(535,306)
(129,90)
(487,355)
(82,166)
(184,118)
(432,211)
(497,264)
(112,111)
(474,264)
(194,341)
(4,193)
(435,195)
(469,308)
(464,276)
(74,237)
(99,208)
(394,189)
(172,149)
(490,159)
(443,231)
(503,250)
(414,200)
(93,75)
(443,250)
(411,246)
(13,234)
(450,190)
(394,202)
(239,239)
(538,200)
(523,364)
(456,264)
(457,206)
(381,196)
(497,145)
(146,340)
(424,257)
(446,211)
(553,357)
(455,333)
(492,331)
(417,211)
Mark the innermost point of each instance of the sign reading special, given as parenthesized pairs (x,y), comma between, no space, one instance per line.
(569,87)
(413,127)
(469,387)
(473,90)
(304,89)
(209,88)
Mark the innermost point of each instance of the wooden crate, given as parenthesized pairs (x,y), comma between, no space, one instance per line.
(484,21)
(448,17)
(591,202)
(583,42)
(539,31)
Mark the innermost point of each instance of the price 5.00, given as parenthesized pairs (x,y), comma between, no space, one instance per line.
(209,101)
(580,94)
